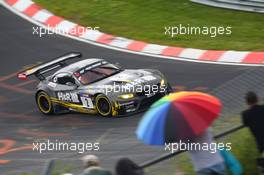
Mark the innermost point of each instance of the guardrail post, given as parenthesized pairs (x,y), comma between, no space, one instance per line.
(48,168)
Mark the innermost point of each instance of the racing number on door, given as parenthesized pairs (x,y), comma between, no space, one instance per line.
(87,102)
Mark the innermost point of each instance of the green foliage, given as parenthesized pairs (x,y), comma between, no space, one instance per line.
(145,20)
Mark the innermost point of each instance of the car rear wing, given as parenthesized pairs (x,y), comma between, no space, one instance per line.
(40,69)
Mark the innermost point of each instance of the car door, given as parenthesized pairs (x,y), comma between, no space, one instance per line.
(66,89)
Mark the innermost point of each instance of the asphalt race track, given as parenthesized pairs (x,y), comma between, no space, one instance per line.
(21,124)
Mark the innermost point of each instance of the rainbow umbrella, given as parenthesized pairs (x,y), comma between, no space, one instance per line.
(178,117)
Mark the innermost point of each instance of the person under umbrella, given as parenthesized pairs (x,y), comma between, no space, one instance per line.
(206,162)
(183,117)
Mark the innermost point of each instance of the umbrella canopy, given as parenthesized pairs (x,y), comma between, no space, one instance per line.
(178,117)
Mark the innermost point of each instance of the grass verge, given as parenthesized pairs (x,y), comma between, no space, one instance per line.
(145,20)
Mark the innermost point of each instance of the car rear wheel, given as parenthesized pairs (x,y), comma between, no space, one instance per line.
(103,105)
(44,103)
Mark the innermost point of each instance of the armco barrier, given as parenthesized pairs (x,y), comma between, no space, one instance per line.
(256,6)
(170,155)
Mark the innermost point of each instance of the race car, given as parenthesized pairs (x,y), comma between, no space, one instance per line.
(94,86)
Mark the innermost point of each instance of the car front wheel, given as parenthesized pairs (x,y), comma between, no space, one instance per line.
(103,105)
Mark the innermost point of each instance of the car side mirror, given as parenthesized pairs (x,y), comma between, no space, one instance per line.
(118,65)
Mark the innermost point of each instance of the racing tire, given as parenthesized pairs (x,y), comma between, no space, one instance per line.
(44,103)
(103,105)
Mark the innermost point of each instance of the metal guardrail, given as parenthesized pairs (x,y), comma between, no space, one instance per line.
(170,155)
(50,164)
(242,5)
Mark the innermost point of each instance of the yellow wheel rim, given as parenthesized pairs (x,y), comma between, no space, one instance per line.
(101,112)
(41,107)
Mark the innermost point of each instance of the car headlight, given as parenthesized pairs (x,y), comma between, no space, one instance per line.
(162,82)
(126,96)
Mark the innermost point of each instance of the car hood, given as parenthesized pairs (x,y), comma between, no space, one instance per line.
(128,77)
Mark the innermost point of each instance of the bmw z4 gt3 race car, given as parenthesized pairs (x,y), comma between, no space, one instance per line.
(94,86)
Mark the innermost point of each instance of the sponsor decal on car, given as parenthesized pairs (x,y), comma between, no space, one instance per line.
(68,96)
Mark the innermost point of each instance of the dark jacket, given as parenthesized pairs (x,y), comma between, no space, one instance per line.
(126,166)
(254,119)
(96,171)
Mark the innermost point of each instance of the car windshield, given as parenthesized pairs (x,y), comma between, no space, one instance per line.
(96,72)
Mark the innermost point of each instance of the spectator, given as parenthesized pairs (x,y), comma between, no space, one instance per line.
(205,162)
(92,166)
(254,119)
(127,167)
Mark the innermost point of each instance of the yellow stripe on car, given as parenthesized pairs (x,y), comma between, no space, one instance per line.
(77,107)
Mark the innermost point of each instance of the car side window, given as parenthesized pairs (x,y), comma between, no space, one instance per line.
(64,79)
